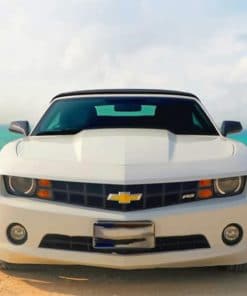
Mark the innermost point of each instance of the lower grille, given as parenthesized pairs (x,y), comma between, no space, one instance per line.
(162,244)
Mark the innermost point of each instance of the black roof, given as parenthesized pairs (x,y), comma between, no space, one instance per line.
(125,91)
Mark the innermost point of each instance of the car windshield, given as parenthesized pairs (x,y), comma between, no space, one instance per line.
(177,115)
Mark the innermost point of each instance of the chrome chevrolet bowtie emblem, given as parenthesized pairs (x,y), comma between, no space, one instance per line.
(124,197)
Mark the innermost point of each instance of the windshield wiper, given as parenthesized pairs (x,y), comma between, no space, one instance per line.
(68,131)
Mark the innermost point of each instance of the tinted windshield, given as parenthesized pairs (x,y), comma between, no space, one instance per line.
(179,116)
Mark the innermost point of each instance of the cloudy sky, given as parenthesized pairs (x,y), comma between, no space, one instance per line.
(50,46)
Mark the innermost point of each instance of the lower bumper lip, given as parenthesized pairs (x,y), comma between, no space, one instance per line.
(161,260)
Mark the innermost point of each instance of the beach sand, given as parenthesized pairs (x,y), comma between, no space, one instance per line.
(94,281)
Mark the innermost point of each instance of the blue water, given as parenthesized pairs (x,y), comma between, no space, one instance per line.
(241,137)
(6,136)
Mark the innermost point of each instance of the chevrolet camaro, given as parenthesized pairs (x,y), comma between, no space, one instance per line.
(125,179)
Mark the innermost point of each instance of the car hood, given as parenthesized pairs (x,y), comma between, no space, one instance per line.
(126,156)
(124,147)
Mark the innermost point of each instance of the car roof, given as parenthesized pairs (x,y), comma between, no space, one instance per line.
(124,91)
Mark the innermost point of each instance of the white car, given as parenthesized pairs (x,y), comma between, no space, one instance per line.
(125,179)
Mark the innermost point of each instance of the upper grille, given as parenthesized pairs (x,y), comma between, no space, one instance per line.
(95,195)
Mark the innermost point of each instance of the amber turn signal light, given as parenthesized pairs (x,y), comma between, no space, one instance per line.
(44,194)
(205,193)
(44,183)
(205,183)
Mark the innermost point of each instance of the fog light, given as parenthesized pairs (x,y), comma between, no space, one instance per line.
(17,234)
(232,234)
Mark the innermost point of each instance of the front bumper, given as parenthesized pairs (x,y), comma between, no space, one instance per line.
(207,218)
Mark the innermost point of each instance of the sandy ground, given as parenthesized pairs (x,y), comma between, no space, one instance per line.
(93,281)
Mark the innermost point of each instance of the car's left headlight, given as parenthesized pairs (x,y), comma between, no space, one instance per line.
(20,185)
(229,186)
(28,187)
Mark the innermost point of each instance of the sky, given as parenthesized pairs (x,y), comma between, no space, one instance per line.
(51,46)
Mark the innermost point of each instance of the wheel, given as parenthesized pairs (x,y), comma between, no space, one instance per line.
(236,268)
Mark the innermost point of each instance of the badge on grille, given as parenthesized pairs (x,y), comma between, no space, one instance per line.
(124,197)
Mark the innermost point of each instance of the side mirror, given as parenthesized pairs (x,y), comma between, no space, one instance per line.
(20,127)
(230,127)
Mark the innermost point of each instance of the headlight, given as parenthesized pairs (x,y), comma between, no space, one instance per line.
(229,186)
(21,186)
(28,187)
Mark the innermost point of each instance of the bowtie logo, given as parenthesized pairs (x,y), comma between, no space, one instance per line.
(124,197)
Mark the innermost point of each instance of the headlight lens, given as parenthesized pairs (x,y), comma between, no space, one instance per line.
(229,186)
(28,187)
(21,186)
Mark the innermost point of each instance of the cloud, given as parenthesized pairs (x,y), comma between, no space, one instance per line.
(53,46)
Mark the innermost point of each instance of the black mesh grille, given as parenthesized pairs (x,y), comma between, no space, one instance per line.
(95,195)
(163,244)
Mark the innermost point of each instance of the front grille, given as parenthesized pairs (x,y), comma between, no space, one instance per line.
(95,195)
(162,244)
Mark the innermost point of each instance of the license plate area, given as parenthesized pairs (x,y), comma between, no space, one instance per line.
(117,235)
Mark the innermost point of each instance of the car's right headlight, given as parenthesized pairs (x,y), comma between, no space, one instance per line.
(229,186)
